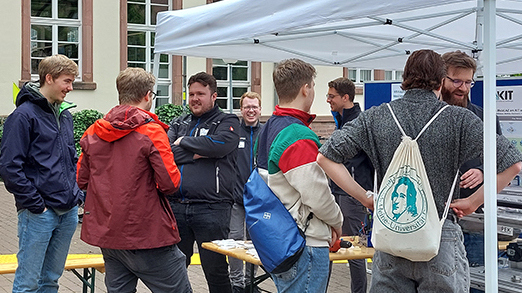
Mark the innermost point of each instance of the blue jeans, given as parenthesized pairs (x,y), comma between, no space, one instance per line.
(474,243)
(354,216)
(308,275)
(446,272)
(204,222)
(161,269)
(43,241)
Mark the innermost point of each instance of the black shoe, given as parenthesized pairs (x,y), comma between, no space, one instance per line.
(237,289)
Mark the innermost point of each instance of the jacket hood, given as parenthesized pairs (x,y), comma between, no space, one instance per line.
(122,120)
(30,92)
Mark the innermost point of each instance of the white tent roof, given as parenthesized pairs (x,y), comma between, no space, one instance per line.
(367,34)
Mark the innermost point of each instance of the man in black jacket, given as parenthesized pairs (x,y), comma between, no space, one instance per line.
(250,104)
(204,144)
(460,69)
(341,93)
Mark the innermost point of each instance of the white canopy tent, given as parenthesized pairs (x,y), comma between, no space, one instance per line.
(367,34)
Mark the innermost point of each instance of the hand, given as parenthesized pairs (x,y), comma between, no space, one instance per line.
(463,207)
(336,233)
(471,179)
(196,156)
(178,141)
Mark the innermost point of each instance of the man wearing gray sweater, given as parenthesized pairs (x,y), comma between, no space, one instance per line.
(453,138)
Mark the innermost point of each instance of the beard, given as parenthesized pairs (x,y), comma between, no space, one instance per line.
(447,96)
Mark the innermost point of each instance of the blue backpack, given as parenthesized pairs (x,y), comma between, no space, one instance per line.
(278,240)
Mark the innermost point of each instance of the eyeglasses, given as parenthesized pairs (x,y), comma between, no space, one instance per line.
(248,108)
(153,95)
(458,82)
(331,97)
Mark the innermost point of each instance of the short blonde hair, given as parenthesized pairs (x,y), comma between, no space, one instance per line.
(133,84)
(289,76)
(251,95)
(56,65)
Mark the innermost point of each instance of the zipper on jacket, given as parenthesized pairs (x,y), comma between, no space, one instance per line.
(181,183)
(217,179)
(195,126)
(251,148)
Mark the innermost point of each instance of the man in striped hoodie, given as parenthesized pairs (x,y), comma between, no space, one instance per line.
(286,161)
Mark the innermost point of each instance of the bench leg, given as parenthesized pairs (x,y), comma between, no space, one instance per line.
(88,278)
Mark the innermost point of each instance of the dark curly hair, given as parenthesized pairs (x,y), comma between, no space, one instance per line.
(423,70)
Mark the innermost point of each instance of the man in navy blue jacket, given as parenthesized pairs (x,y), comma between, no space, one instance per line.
(204,144)
(250,104)
(341,93)
(38,165)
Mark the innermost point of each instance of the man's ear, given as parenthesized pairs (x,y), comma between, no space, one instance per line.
(304,89)
(49,78)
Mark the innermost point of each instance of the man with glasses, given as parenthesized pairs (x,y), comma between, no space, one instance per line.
(127,167)
(250,104)
(460,69)
(341,94)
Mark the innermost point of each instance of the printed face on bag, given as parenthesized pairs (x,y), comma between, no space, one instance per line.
(404,201)
(401,204)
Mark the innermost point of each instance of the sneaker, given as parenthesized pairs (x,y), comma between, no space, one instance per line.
(237,289)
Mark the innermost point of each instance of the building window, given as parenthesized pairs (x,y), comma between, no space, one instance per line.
(398,74)
(388,75)
(233,80)
(141,26)
(55,29)
(366,75)
(352,75)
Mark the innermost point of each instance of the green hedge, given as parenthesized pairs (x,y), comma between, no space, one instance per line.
(82,120)
(168,112)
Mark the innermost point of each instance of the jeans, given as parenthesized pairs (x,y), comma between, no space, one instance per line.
(308,274)
(474,244)
(237,232)
(43,241)
(354,216)
(162,270)
(204,222)
(446,272)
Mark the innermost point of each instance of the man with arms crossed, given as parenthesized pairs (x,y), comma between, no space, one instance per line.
(38,165)
(204,144)
(127,168)
(287,149)
(341,93)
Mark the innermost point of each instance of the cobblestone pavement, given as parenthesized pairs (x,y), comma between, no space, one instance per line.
(339,282)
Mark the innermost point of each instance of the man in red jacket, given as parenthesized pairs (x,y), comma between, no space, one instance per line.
(127,166)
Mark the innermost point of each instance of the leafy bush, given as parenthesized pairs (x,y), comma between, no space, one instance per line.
(168,112)
(82,120)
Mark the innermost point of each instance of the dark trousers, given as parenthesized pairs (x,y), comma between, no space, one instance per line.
(162,270)
(354,215)
(203,222)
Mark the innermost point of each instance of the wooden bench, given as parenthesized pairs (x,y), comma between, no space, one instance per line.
(90,263)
